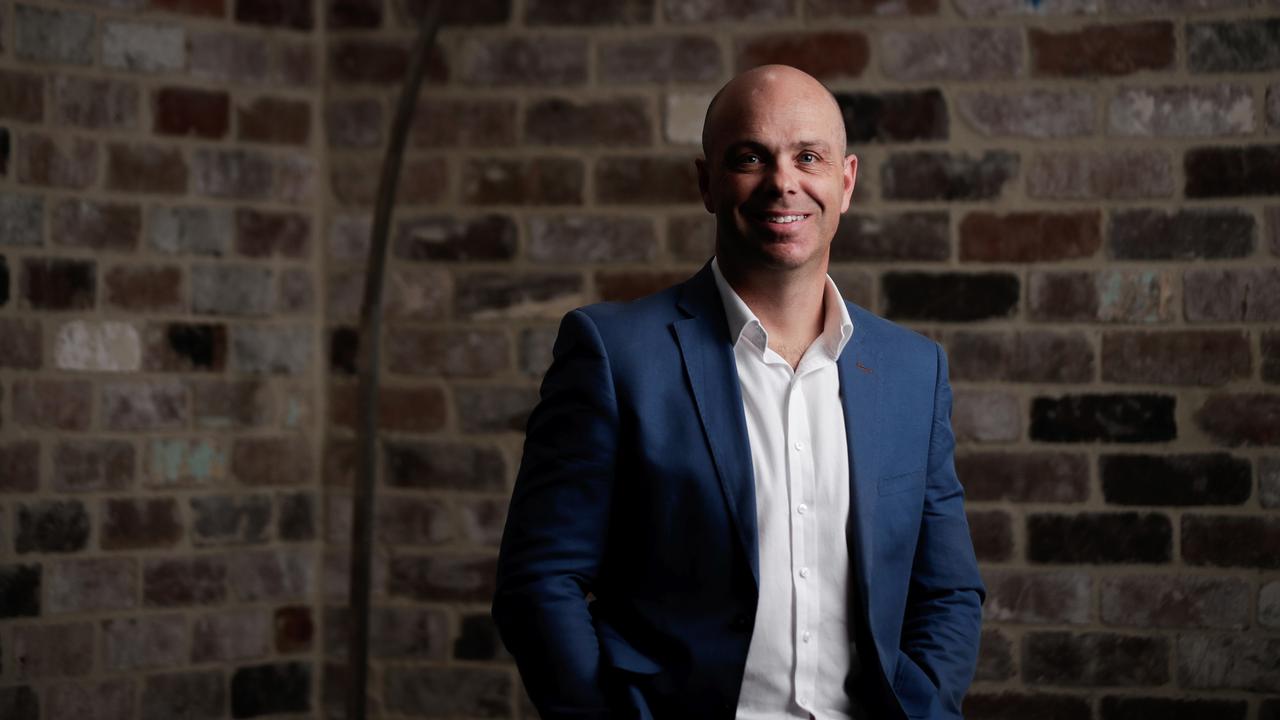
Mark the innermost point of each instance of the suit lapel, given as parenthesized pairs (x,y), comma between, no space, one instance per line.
(713,378)
(860,397)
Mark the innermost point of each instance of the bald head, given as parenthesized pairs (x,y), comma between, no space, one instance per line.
(767,84)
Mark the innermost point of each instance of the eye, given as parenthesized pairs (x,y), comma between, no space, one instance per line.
(808,158)
(749,159)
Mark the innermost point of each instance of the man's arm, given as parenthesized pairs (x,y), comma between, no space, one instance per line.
(943,619)
(556,526)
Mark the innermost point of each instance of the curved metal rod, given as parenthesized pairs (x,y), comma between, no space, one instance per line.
(369,338)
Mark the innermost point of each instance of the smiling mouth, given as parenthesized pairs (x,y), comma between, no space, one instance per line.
(782,219)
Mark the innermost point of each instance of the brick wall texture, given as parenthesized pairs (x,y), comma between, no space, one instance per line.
(1079,198)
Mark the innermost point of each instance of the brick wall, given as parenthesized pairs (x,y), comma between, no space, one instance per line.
(1079,198)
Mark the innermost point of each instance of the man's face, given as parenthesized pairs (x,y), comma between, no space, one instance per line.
(775,175)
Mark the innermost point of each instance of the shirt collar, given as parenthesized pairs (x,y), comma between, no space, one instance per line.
(837,325)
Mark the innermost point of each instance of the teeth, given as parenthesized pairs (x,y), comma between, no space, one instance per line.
(784,218)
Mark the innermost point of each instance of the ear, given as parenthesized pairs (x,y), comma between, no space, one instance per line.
(850,177)
(704,185)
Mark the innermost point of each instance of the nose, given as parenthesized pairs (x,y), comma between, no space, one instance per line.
(782,179)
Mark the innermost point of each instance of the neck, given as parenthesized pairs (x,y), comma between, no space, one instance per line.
(787,302)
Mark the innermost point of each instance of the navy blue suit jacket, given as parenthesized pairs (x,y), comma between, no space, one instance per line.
(637,487)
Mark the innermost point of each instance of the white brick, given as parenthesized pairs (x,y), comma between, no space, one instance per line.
(99,346)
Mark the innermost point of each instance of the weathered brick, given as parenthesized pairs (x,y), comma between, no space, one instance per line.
(114,227)
(422,181)
(231,635)
(245,59)
(526,61)
(1170,601)
(93,465)
(51,651)
(296,292)
(154,288)
(271,350)
(1273,109)
(21,343)
(291,14)
(669,59)
(184,462)
(1030,114)
(1175,358)
(144,47)
(197,695)
(230,520)
(360,61)
(1232,171)
(4,281)
(438,465)
(932,175)
(20,703)
(949,297)
(355,123)
(272,575)
(1029,236)
(231,290)
(1185,234)
(21,219)
(263,233)
(991,532)
(1241,419)
(1103,417)
(270,689)
(1025,356)
(473,692)
(453,353)
(1231,541)
(146,169)
(92,585)
(494,296)
(293,629)
(588,12)
(626,285)
(190,230)
(536,181)
(20,591)
(53,404)
(1173,7)
(443,578)
(5,149)
(995,657)
(1094,659)
(892,116)
(591,239)
(19,466)
(191,111)
(274,120)
(1200,479)
(683,116)
(1269,604)
(235,404)
(892,236)
(69,163)
(405,521)
(295,516)
(1016,706)
(238,174)
(1118,174)
(1182,111)
(1135,296)
(1270,357)
(1236,661)
(1102,50)
(645,181)
(21,96)
(144,405)
(94,700)
(677,11)
(1038,598)
(350,14)
(862,8)
(1135,708)
(486,237)
(137,524)
(986,416)
(53,36)
(258,461)
(824,55)
(478,639)
(185,347)
(1024,477)
(1100,538)
(484,409)
(155,641)
(1001,8)
(1251,45)
(953,54)
(208,8)
(94,103)
(1245,294)
(52,526)
(566,122)
(181,582)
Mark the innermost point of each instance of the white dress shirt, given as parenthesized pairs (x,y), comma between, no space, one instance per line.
(801,646)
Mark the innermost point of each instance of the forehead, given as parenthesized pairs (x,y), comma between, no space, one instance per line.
(778,113)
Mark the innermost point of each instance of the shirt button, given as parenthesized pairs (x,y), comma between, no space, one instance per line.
(802,508)
(804,572)
(805,636)
(799,445)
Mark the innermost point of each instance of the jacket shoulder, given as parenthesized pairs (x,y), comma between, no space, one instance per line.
(892,339)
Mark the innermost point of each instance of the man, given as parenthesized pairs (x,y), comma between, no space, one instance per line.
(737,497)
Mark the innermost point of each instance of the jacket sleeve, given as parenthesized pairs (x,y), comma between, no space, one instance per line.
(943,619)
(556,527)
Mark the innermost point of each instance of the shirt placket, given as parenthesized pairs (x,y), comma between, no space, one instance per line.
(800,472)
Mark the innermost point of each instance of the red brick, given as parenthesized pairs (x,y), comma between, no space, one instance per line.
(347,14)
(292,14)
(241,174)
(189,111)
(824,55)
(274,120)
(181,582)
(992,534)
(1095,660)
(1232,171)
(1016,706)
(645,181)
(59,284)
(1038,477)
(488,237)
(144,288)
(408,409)
(92,585)
(523,61)
(1030,236)
(223,404)
(50,651)
(21,96)
(894,117)
(590,239)
(1270,357)
(558,121)
(231,635)
(93,465)
(375,62)
(206,8)
(1025,356)
(19,466)
(670,59)
(1250,294)
(146,168)
(1135,708)
(862,8)
(1034,113)
(261,461)
(1169,601)
(1103,50)
(995,658)
(1184,235)
(423,181)
(932,175)
(264,233)
(949,297)
(294,629)
(588,12)
(679,11)
(1176,358)
(1241,419)
(93,102)
(144,643)
(355,123)
(625,285)
(963,54)
(433,465)
(97,226)
(1038,598)
(453,353)
(21,344)
(1100,538)
(53,404)
(1240,661)
(131,405)
(536,181)
(138,524)
(70,164)
(1120,174)
(447,123)
(1231,541)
